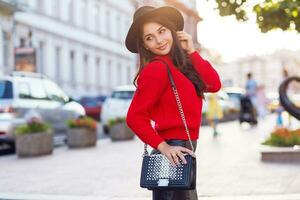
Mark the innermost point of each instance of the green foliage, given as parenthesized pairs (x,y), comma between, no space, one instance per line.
(230,7)
(270,14)
(33,127)
(283,138)
(82,122)
(117,120)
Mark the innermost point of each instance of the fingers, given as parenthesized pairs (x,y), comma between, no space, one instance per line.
(175,155)
(182,158)
(186,150)
(170,158)
(175,158)
(182,34)
(183,38)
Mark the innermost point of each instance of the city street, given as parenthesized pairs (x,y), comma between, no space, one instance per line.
(229,167)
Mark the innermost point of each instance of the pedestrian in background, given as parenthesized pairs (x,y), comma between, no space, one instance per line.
(279,118)
(251,89)
(262,102)
(251,94)
(157,35)
(214,112)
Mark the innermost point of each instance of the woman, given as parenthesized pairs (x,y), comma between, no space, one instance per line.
(214,112)
(156,34)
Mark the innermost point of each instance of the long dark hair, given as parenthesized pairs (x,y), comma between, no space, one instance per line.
(179,56)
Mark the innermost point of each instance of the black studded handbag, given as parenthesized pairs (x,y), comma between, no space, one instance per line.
(157,171)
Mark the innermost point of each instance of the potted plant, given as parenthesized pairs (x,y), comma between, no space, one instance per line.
(82,132)
(33,138)
(282,137)
(119,130)
(283,146)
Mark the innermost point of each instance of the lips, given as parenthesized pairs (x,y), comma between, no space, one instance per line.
(163,47)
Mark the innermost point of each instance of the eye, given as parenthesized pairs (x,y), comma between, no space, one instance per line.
(162,30)
(149,38)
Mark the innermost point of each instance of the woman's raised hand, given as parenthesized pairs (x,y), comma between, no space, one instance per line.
(186,41)
(174,153)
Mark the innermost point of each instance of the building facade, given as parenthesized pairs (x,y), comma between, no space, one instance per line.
(7,9)
(80,43)
(266,69)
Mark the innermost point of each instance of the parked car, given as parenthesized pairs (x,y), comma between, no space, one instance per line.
(226,105)
(235,94)
(117,104)
(22,92)
(92,105)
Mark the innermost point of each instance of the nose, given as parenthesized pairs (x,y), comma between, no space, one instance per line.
(159,40)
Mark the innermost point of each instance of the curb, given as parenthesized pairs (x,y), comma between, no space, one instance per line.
(80,197)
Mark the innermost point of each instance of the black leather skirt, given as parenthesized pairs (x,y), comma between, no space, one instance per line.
(180,194)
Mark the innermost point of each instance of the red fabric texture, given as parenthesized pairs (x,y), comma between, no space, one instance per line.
(154,100)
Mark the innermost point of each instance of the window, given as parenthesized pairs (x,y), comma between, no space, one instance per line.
(108,21)
(37,91)
(5,39)
(71,10)
(108,75)
(86,69)
(41,57)
(55,8)
(72,68)
(97,74)
(128,74)
(58,62)
(54,92)
(40,5)
(122,94)
(96,16)
(22,42)
(118,28)
(119,76)
(24,91)
(83,9)
(6,91)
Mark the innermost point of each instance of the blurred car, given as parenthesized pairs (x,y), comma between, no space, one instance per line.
(22,92)
(116,105)
(226,104)
(235,94)
(92,105)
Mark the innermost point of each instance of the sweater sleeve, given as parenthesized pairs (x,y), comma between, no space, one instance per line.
(207,73)
(150,86)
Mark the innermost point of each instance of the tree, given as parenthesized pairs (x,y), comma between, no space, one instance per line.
(270,14)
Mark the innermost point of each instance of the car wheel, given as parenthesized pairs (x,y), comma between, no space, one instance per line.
(7,148)
(105,129)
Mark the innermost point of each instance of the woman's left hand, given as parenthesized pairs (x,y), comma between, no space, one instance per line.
(186,41)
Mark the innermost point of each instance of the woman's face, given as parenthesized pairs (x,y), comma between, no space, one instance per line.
(157,38)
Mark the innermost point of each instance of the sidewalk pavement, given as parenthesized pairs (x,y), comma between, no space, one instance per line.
(229,168)
(71,197)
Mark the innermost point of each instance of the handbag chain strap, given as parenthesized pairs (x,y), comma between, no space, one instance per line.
(179,105)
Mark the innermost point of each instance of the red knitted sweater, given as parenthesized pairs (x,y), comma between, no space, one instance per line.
(154,100)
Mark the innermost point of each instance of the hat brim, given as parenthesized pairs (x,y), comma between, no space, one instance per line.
(169,12)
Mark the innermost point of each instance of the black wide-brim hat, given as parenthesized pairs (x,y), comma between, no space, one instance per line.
(146,12)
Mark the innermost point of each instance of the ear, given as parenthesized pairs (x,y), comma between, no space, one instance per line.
(145,47)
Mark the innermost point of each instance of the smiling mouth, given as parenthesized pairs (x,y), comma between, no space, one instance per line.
(163,47)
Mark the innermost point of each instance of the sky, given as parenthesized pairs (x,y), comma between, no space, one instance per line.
(233,39)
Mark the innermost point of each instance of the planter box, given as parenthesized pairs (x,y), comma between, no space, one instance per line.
(120,131)
(280,154)
(35,144)
(81,137)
